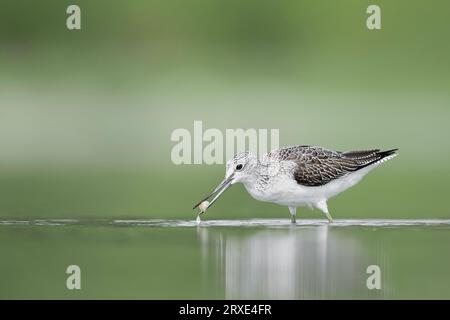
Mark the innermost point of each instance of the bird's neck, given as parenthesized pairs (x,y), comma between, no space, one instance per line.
(254,183)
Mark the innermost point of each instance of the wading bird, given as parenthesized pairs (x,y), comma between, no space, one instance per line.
(298,176)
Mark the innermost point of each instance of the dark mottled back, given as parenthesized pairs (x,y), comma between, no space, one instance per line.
(316,166)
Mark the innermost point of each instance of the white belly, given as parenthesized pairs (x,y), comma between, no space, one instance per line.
(286,191)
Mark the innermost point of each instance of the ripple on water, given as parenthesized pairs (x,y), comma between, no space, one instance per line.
(268,223)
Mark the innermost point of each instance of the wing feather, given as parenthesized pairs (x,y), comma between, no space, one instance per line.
(316,166)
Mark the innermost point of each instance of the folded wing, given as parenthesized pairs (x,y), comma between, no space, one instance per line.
(316,166)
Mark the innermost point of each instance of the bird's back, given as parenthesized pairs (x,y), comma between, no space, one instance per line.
(317,166)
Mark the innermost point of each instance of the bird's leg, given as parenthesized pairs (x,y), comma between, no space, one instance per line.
(322,205)
(293,211)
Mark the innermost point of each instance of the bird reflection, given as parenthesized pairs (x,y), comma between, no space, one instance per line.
(294,263)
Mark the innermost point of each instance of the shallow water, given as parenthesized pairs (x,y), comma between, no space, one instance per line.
(269,223)
(242,259)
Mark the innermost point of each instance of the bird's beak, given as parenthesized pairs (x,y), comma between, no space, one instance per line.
(221,188)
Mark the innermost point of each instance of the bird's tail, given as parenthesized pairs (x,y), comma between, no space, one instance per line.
(369,157)
(387,153)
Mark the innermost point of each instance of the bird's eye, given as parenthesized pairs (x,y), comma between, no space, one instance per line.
(239,167)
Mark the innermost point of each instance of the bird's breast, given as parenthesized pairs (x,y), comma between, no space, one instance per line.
(273,190)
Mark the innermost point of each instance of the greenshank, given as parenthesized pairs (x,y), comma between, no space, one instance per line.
(298,176)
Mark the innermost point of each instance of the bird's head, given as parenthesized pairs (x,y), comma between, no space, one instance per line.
(240,168)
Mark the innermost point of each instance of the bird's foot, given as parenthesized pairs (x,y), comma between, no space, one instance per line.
(293,219)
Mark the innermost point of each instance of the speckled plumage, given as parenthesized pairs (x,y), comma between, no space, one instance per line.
(301,175)
(316,166)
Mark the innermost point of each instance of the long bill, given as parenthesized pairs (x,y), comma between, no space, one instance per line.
(221,188)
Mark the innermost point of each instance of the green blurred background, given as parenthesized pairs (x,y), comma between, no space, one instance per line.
(86,116)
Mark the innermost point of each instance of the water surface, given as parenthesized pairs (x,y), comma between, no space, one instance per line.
(235,259)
